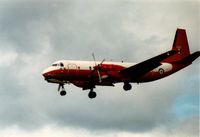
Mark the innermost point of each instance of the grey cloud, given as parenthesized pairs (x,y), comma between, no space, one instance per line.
(24,23)
(185,127)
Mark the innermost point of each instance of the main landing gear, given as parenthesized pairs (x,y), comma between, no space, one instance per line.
(92,94)
(62,92)
(127,86)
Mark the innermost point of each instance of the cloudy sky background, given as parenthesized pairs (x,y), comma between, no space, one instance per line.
(33,34)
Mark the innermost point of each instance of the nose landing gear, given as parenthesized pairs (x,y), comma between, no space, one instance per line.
(62,92)
(92,94)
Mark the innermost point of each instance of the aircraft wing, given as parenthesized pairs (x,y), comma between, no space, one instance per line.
(140,69)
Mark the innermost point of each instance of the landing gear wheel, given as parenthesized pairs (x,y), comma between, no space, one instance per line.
(92,94)
(127,86)
(63,93)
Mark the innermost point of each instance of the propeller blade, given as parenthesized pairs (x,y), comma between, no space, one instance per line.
(94,59)
(99,76)
(102,61)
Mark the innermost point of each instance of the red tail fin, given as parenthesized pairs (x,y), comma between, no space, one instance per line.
(181,45)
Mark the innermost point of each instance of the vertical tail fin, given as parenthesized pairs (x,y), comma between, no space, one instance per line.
(181,45)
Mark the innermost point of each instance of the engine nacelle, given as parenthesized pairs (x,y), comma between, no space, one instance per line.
(164,68)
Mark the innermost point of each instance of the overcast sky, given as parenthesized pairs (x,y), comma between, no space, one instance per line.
(33,34)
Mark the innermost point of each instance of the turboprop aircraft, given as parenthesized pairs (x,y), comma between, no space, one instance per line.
(89,74)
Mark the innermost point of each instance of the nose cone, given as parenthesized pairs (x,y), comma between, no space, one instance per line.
(46,72)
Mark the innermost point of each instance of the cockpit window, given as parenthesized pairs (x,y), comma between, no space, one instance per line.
(61,64)
(54,64)
(58,64)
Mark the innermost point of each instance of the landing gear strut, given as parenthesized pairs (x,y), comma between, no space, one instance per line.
(127,86)
(92,94)
(62,92)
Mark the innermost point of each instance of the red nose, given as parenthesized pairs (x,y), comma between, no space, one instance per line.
(46,73)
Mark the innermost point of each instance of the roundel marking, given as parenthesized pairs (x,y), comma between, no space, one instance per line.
(161,71)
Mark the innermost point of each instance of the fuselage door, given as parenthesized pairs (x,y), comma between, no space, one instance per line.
(72,69)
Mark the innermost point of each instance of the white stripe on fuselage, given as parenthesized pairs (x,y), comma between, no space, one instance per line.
(84,65)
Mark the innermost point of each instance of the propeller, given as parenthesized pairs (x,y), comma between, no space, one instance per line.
(98,67)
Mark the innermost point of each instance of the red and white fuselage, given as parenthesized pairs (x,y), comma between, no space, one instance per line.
(88,74)
(76,71)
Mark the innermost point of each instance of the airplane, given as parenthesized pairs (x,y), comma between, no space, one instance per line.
(89,74)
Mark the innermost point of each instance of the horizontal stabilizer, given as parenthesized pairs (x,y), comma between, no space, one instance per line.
(189,59)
